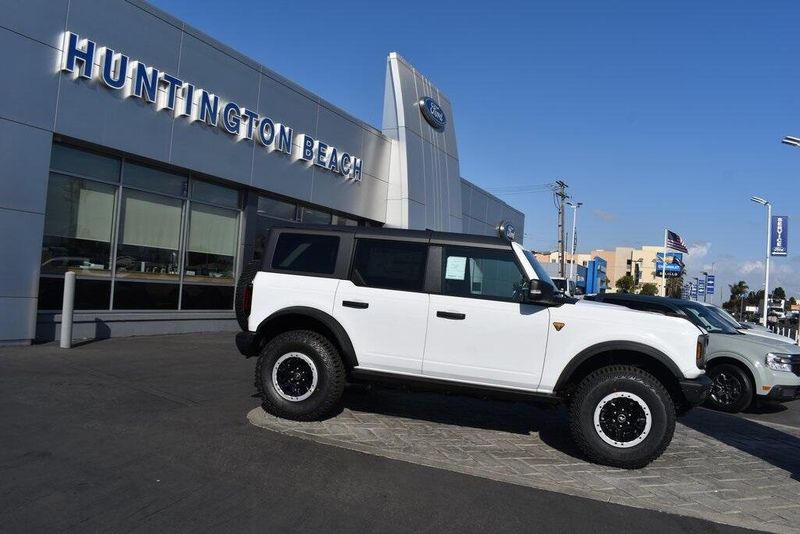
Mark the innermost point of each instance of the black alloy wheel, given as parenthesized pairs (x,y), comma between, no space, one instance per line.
(731,388)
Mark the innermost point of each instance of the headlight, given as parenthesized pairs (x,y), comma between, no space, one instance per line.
(779,362)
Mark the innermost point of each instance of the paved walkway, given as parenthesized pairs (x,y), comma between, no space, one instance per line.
(718,467)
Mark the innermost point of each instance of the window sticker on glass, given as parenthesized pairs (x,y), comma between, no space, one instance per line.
(456,268)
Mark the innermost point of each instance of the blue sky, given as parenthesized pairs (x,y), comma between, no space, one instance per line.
(655,114)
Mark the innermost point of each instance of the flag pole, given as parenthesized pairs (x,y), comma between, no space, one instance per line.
(664,267)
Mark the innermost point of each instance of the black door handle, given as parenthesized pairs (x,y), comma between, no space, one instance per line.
(354,304)
(451,315)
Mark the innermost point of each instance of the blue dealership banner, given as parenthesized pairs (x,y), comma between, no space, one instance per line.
(710,284)
(674,264)
(779,236)
(692,291)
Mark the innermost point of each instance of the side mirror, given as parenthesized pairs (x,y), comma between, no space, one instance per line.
(540,292)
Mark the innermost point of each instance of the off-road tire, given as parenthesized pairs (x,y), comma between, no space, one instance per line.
(622,380)
(329,368)
(731,373)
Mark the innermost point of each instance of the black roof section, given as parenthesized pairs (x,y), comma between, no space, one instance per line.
(378,232)
(645,298)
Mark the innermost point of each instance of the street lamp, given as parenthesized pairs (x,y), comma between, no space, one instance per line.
(764,202)
(705,286)
(574,206)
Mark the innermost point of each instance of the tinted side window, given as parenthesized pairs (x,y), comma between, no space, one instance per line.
(390,264)
(306,253)
(481,273)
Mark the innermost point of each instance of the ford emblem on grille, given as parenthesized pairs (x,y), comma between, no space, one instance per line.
(433,113)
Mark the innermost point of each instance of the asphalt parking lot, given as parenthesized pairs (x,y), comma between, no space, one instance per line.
(144,434)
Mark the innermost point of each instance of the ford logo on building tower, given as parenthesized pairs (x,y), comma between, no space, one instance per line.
(433,113)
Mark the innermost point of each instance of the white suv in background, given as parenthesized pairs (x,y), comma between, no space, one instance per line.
(328,305)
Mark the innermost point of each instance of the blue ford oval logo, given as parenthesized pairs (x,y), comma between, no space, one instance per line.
(433,113)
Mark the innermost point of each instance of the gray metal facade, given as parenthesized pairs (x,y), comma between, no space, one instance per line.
(410,174)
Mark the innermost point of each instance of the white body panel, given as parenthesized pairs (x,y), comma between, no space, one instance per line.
(389,335)
(588,323)
(498,343)
(273,292)
(503,344)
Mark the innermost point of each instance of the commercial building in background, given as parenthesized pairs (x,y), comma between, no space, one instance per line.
(589,273)
(643,264)
(151,159)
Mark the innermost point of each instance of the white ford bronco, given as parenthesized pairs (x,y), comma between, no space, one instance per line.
(328,305)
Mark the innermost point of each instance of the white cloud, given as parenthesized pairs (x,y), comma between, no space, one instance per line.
(699,250)
(749,267)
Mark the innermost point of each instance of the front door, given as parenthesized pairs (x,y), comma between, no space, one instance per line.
(478,331)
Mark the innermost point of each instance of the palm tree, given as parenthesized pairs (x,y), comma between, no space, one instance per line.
(738,290)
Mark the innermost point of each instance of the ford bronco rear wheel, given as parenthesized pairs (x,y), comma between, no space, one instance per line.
(299,376)
(622,416)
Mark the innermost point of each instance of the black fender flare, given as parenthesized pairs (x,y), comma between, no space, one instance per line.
(614,346)
(342,339)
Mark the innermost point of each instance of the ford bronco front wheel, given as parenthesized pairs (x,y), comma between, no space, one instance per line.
(299,376)
(622,416)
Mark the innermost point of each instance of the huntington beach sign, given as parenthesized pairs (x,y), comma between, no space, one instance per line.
(168,93)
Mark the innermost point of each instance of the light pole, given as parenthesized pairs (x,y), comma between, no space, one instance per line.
(741,308)
(574,206)
(791,141)
(763,202)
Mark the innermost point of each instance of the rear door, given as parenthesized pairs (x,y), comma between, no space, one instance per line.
(478,331)
(383,305)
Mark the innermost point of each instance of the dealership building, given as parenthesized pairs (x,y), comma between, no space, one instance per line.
(151,160)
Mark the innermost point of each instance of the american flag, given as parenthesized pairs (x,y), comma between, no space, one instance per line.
(675,242)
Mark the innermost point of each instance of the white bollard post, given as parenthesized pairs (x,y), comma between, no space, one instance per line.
(66,310)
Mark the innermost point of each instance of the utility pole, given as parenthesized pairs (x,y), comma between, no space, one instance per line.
(560,190)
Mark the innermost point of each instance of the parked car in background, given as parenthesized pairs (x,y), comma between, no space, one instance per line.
(751,330)
(743,368)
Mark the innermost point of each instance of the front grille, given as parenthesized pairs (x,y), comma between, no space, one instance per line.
(796,364)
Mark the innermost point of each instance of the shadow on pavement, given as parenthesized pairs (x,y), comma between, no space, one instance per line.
(765,407)
(547,420)
(550,422)
(778,448)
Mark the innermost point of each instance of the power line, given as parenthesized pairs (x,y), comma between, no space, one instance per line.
(521,189)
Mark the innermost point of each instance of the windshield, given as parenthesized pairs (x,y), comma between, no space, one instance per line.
(708,319)
(541,274)
(730,319)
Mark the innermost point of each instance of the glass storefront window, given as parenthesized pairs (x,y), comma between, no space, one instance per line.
(77,228)
(155,180)
(212,243)
(149,237)
(210,258)
(177,238)
(316,216)
(130,295)
(76,161)
(215,194)
(344,221)
(276,209)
